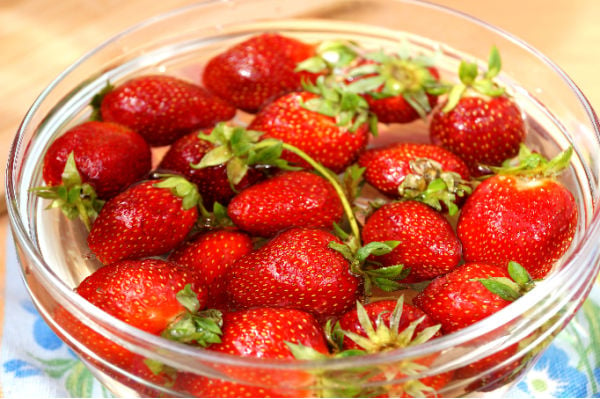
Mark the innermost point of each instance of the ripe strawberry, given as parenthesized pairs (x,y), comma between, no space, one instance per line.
(290,120)
(387,325)
(484,128)
(468,294)
(162,108)
(414,171)
(148,219)
(210,255)
(290,199)
(108,156)
(211,181)
(261,332)
(427,244)
(142,293)
(256,71)
(295,269)
(523,214)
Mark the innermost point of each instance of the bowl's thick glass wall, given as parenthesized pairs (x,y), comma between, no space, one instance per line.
(558,114)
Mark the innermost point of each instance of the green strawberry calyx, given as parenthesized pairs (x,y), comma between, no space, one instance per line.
(534,165)
(362,263)
(238,148)
(510,289)
(73,197)
(332,56)
(433,186)
(381,337)
(391,75)
(96,102)
(341,102)
(182,188)
(200,327)
(469,80)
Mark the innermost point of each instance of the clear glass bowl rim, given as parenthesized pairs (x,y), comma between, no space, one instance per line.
(585,247)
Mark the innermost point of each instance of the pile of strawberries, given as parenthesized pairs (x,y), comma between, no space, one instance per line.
(257,241)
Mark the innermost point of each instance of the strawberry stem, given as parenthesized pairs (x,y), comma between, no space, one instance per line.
(331,178)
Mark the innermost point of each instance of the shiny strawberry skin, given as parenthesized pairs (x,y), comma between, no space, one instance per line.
(261,333)
(295,269)
(457,300)
(141,221)
(212,181)
(508,218)
(480,131)
(142,293)
(138,292)
(256,71)
(427,242)
(387,167)
(290,199)
(316,134)
(108,156)
(210,255)
(163,108)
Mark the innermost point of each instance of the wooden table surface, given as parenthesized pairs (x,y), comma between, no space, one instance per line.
(39,38)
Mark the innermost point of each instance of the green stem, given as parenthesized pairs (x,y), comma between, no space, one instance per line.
(327,174)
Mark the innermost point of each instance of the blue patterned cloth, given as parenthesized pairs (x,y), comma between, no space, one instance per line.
(36,363)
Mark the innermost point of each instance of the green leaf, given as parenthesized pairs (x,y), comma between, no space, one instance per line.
(518,273)
(342,249)
(503,290)
(303,352)
(387,284)
(97,101)
(467,72)
(454,97)
(313,64)
(376,248)
(188,299)
(80,381)
(366,85)
(494,63)
(389,272)
(217,156)
(236,170)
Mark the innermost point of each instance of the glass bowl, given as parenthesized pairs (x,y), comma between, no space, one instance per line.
(53,253)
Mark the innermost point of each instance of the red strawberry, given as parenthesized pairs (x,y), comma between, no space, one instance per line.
(162,108)
(142,293)
(147,219)
(295,269)
(468,294)
(108,156)
(427,245)
(258,70)
(291,199)
(261,333)
(484,128)
(387,325)
(211,181)
(457,299)
(526,216)
(320,136)
(210,255)
(408,170)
